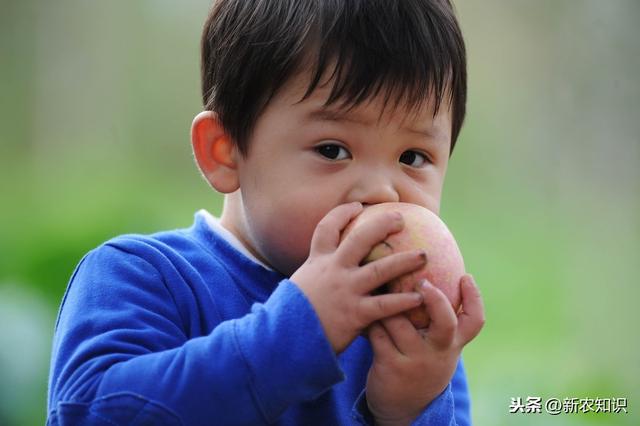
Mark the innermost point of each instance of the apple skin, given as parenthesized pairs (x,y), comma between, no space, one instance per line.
(423,229)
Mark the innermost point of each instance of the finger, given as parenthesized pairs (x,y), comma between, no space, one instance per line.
(365,235)
(376,273)
(471,319)
(403,334)
(326,236)
(374,308)
(381,343)
(443,324)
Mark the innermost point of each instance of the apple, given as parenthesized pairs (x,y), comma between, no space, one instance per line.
(423,229)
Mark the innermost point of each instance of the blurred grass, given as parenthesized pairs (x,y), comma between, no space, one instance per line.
(543,190)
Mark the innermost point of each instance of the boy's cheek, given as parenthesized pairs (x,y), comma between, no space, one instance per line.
(281,225)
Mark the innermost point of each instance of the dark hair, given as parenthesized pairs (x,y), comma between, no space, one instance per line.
(407,50)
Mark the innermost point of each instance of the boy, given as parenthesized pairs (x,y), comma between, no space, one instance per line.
(313,109)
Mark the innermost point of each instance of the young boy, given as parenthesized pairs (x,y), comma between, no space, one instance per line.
(313,109)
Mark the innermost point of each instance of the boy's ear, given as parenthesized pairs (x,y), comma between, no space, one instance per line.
(215,152)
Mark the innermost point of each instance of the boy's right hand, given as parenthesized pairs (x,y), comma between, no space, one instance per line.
(337,285)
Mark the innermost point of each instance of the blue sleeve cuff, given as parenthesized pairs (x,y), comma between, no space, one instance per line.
(360,413)
(450,408)
(440,412)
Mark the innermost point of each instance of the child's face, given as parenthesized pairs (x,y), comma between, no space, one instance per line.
(304,160)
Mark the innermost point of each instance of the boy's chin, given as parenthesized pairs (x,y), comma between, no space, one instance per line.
(286,265)
(289,269)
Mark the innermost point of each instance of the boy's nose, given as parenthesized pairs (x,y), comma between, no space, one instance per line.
(374,189)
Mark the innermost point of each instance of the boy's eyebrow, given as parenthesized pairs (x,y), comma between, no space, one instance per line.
(327,114)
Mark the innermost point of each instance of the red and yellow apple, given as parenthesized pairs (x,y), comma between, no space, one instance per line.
(423,229)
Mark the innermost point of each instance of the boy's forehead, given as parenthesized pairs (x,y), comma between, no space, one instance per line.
(370,115)
(372,111)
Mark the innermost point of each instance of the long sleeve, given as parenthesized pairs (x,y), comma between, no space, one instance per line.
(461,398)
(450,408)
(122,351)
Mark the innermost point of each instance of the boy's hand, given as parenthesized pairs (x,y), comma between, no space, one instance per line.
(412,367)
(339,288)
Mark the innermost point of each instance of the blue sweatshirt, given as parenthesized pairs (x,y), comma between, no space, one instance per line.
(185,328)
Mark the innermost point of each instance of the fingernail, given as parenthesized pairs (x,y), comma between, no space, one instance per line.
(418,298)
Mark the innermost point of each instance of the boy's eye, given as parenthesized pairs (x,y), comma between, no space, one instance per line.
(333,152)
(413,158)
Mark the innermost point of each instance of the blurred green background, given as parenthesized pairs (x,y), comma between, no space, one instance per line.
(543,191)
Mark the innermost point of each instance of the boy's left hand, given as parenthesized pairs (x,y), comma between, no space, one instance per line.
(412,367)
